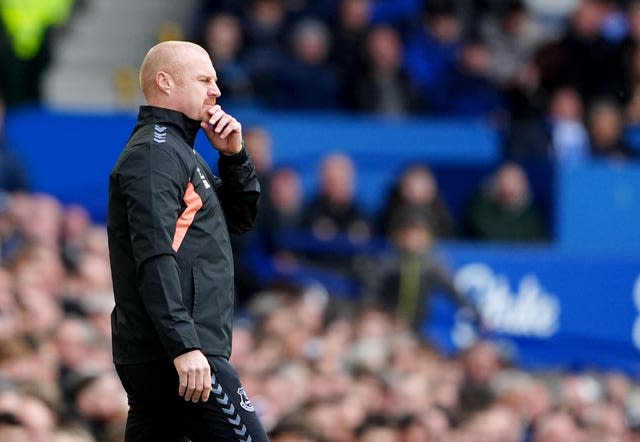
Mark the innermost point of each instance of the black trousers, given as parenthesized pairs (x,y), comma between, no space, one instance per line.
(157,413)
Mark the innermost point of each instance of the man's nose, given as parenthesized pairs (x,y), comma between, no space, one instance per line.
(214,92)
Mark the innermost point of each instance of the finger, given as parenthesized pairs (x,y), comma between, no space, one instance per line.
(216,116)
(223,122)
(201,382)
(206,381)
(197,392)
(191,387)
(234,126)
(182,387)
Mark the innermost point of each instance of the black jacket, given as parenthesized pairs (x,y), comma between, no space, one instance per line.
(169,220)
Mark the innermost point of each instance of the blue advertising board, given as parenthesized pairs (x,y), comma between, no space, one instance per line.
(549,308)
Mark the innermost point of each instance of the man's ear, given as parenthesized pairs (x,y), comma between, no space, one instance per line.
(165,82)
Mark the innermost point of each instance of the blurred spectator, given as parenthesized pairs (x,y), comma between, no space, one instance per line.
(284,208)
(513,37)
(308,64)
(11,238)
(323,417)
(631,47)
(403,282)
(417,188)
(9,308)
(264,28)
(72,434)
(78,346)
(265,23)
(431,52)
(494,424)
(481,363)
(631,20)
(223,39)
(38,270)
(76,222)
(523,393)
(13,173)
(582,57)
(45,208)
(633,106)
(615,26)
(552,15)
(560,137)
(568,134)
(378,429)
(11,429)
(503,210)
(260,145)
(605,124)
(334,210)
(34,415)
(469,88)
(556,427)
(100,401)
(349,30)
(617,388)
(292,432)
(25,46)
(268,256)
(383,87)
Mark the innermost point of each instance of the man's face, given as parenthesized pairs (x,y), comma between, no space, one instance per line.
(195,85)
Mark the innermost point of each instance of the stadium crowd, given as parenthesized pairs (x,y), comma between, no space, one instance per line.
(558,79)
(320,367)
(316,367)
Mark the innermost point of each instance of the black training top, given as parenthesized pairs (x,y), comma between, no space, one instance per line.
(169,220)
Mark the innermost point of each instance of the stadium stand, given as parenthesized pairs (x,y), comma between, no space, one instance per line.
(549,350)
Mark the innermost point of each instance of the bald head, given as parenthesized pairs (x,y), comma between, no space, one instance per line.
(169,57)
(179,75)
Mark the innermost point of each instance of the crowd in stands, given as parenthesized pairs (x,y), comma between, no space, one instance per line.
(317,368)
(560,80)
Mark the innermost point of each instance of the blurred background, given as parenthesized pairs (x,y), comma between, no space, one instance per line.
(447,247)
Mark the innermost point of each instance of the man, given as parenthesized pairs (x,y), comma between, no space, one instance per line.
(171,262)
(406,280)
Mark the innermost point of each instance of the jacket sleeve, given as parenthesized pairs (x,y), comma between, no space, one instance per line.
(152,180)
(238,191)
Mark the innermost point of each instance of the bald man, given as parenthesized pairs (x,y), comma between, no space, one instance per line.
(169,221)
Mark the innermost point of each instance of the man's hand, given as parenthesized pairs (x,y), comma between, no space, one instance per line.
(223,131)
(195,376)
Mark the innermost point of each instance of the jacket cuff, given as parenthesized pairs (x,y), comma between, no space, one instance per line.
(237,158)
(183,351)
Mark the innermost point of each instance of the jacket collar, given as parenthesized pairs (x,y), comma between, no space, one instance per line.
(187,128)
